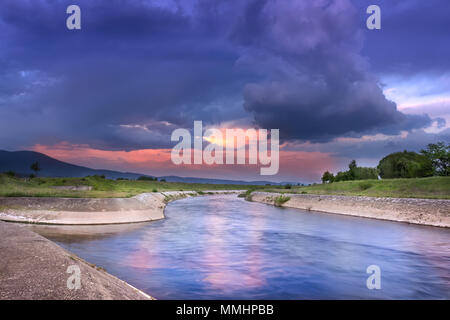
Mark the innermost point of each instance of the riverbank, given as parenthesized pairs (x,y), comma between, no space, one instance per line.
(419,188)
(33,267)
(429,212)
(92,211)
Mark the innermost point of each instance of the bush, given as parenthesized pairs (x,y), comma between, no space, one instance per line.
(288,186)
(279,201)
(147,178)
(248,194)
(154,190)
(11,174)
(405,165)
(327,177)
(439,155)
(343,176)
(353,173)
(362,173)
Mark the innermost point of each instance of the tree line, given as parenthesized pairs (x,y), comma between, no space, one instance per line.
(434,160)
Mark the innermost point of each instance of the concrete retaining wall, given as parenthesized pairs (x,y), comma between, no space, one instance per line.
(419,211)
(90,211)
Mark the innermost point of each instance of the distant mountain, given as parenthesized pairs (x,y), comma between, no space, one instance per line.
(20,162)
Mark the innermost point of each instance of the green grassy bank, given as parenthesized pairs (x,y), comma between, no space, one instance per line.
(101,188)
(431,188)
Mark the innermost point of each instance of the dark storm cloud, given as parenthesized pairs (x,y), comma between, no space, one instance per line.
(318,85)
(132,63)
(136,71)
(414,36)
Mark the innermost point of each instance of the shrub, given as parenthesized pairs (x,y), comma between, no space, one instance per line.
(147,178)
(288,186)
(362,173)
(353,173)
(439,155)
(327,177)
(155,190)
(11,174)
(279,201)
(405,165)
(248,194)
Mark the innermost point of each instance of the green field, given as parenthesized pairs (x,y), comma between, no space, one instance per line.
(431,188)
(101,188)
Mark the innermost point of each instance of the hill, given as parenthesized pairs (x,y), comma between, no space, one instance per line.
(20,162)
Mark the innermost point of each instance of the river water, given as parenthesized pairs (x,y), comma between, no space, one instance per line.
(223,247)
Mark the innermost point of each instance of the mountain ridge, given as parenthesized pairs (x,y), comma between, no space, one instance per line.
(20,162)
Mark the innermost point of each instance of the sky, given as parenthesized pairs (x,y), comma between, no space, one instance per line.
(110,95)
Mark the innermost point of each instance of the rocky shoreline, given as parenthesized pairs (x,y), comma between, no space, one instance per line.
(431,212)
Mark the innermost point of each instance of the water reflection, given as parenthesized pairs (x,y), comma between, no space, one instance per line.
(224,247)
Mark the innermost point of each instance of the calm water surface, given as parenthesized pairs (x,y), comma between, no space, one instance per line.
(222,247)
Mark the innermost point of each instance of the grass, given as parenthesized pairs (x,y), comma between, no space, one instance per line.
(431,188)
(101,188)
(280,200)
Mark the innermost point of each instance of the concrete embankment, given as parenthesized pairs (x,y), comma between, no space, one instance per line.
(33,267)
(418,211)
(90,211)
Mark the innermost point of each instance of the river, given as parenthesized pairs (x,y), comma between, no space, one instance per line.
(223,247)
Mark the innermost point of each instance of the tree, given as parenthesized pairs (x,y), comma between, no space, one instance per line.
(405,165)
(351,169)
(343,176)
(327,177)
(35,167)
(439,155)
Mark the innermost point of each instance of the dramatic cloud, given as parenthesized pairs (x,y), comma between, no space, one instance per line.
(318,85)
(414,37)
(139,69)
